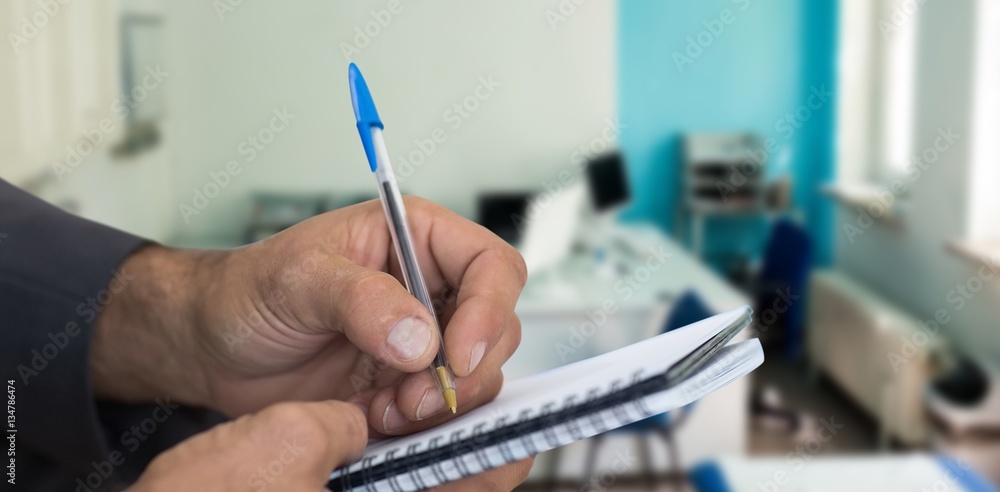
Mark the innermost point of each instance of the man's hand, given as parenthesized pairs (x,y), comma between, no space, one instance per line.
(317,312)
(312,314)
(289,446)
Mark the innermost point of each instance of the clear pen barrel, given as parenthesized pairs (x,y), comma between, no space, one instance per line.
(395,216)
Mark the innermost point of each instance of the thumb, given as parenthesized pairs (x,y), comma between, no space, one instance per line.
(294,446)
(371,308)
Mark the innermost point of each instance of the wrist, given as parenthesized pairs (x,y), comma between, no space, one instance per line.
(144,343)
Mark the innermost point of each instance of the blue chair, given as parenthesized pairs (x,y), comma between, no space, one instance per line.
(687,309)
(780,288)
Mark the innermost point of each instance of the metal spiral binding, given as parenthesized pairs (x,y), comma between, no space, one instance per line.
(550,422)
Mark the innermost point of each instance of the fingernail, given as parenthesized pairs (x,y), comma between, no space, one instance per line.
(392,419)
(430,404)
(478,350)
(409,338)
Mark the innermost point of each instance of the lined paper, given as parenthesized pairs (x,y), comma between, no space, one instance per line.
(557,407)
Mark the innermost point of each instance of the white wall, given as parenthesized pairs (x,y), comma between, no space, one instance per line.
(556,93)
(910,263)
(132,194)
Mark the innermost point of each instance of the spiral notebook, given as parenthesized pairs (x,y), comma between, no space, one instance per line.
(561,406)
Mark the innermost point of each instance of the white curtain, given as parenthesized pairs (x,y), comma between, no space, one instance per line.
(58,77)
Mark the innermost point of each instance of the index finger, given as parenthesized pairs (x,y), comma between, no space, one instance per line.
(488,273)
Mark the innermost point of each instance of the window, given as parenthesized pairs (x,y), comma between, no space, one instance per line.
(984,173)
(878,46)
(898,29)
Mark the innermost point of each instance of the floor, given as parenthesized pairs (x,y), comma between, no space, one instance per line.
(819,401)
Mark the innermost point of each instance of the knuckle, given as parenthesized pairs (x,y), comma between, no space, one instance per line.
(513,260)
(369,293)
(369,283)
(515,333)
(520,267)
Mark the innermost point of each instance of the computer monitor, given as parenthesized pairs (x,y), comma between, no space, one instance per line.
(607,181)
(551,226)
(498,211)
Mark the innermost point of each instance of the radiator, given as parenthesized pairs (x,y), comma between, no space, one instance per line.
(879,355)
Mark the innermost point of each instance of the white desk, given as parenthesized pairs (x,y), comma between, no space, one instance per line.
(572,296)
(910,471)
(558,308)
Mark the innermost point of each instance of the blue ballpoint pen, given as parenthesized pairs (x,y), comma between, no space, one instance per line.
(370,128)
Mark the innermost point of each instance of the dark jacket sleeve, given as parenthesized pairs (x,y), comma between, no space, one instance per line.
(55,274)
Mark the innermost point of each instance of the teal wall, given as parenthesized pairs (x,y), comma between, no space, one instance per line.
(759,67)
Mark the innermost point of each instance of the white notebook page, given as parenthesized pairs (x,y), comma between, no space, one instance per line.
(524,398)
(731,363)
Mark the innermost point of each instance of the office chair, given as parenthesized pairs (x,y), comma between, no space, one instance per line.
(780,287)
(687,309)
(779,293)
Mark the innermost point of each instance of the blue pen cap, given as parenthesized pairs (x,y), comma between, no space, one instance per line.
(364,112)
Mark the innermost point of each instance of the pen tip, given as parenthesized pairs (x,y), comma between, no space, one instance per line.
(451,400)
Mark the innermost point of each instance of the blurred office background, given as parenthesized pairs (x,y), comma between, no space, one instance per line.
(830,162)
